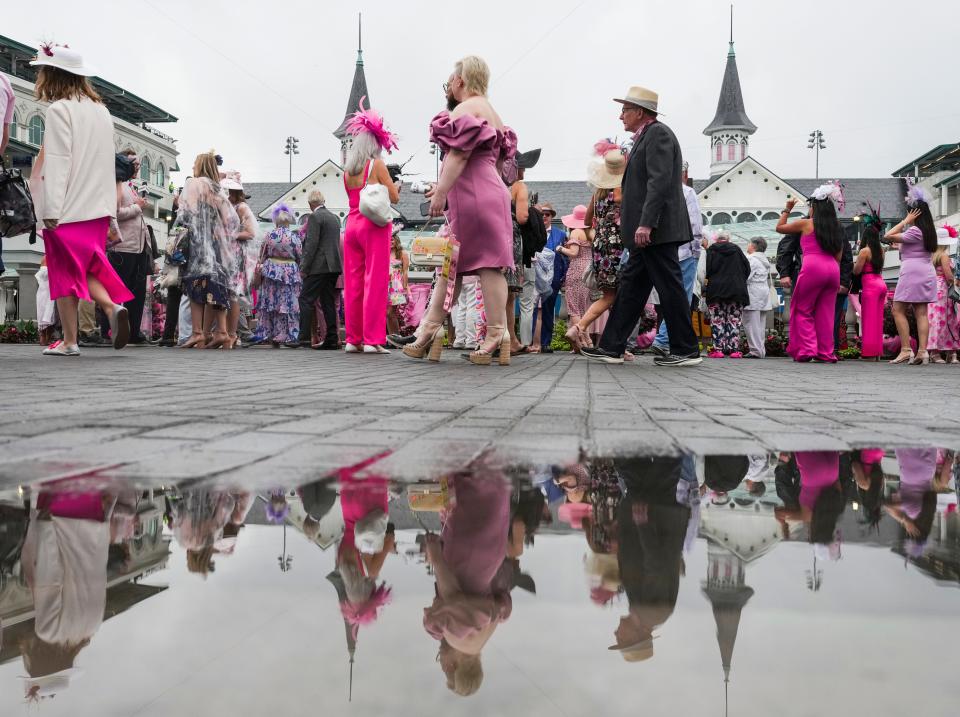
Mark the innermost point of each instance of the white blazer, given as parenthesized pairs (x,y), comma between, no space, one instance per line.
(75,178)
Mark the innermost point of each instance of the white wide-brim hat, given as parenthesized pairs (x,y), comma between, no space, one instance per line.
(49,685)
(945,240)
(607,172)
(63,58)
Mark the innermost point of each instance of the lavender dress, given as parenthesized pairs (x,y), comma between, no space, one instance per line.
(479,203)
(918,279)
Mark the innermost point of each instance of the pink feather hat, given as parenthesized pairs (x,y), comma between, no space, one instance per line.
(369,120)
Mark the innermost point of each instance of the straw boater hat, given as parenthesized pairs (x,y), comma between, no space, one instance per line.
(607,172)
(547,207)
(641,97)
(63,58)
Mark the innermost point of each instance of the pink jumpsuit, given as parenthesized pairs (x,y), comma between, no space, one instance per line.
(813,303)
(366,273)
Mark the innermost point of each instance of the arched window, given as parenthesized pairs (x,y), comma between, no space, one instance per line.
(145,169)
(35,130)
(160,174)
(14,125)
(731,150)
(722,218)
(719,152)
(746,217)
(743,149)
(770,216)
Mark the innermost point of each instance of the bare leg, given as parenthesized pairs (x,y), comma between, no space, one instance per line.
(100,295)
(233,319)
(196,322)
(903,326)
(923,328)
(495,301)
(67,308)
(535,343)
(596,309)
(435,315)
(393,324)
(515,344)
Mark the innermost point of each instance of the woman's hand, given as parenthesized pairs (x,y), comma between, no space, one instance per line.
(791,203)
(912,216)
(438,202)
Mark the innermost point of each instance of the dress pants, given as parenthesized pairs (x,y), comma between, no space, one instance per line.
(688,268)
(366,278)
(132,270)
(656,266)
(87,317)
(465,316)
(323,287)
(173,311)
(528,302)
(754,326)
(548,312)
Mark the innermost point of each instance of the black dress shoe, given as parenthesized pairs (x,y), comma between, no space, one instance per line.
(546,350)
(292,344)
(305,345)
(675,360)
(598,354)
(327,346)
(167,342)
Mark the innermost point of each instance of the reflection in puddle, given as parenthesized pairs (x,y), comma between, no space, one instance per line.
(484,583)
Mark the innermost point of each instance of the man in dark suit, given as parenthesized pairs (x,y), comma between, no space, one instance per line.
(653,224)
(321,265)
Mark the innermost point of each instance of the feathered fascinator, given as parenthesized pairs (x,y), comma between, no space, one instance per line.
(872,217)
(365,613)
(601,148)
(281,209)
(830,190)
(951,231)
(917,194)
(369,120)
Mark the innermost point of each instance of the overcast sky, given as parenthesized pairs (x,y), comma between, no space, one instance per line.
(244,75)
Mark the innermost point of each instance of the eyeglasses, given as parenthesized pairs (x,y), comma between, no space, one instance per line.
(446,87)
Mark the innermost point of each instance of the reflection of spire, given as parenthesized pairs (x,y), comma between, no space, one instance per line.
(727,592)
(352,631)
(284,559)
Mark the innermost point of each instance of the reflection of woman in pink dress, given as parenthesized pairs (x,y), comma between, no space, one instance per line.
(815,295)
(473,578)
(821,496)
(479,153)
(915,504)
(942,313)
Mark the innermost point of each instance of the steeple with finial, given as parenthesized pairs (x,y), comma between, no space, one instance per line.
(358,90)
(730,129)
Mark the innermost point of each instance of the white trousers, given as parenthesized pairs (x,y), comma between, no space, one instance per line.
(185,323)
(465,315)
(755,327)
(528,302)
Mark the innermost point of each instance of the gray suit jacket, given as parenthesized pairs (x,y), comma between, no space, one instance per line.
(321,244)
(652,189)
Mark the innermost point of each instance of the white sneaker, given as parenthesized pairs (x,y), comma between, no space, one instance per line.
(375,350)
(459,345)
(351,349)
(61,349)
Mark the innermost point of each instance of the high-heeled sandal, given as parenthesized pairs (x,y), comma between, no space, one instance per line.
(231,343)
(904,357)
(217,343)
(920,359)
(573,336)
(430,340)
(483,357)
(195,341)
(585,339)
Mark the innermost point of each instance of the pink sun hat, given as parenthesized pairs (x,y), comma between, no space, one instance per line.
(576,220)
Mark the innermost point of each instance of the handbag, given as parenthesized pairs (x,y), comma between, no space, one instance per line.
(953,293)
(590,278)
(17,213)
(429,251)
(375,202)
(429,497)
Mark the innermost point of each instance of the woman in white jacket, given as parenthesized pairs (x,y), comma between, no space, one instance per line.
(758,288)
(75,191)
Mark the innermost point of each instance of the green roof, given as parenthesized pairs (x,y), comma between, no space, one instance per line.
(952,179)
(936,154)
(15,58)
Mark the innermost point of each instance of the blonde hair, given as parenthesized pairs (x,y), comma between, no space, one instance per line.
(475,74)
(396,247)
(316,197)
(938,255)
(467,675)
(55,84)
(205,165)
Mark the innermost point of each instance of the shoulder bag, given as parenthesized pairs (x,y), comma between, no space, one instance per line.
(429,251)
(375,201)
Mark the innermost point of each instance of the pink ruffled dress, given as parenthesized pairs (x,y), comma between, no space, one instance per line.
(479,203)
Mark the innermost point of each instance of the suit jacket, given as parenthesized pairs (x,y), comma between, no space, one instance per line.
(653,191)
(789,257)
(321,244)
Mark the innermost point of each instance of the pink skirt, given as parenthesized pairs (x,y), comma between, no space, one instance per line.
(76,249)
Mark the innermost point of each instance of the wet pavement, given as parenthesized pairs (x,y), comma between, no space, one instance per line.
(789,583)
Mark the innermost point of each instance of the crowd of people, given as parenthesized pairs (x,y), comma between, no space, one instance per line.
(632,262)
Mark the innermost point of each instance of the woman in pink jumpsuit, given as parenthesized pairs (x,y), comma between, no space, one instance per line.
(366,245)
(873,296)
(815,295)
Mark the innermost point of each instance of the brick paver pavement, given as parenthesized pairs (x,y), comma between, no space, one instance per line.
(280,417)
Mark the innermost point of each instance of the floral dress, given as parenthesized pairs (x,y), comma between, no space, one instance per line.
(944,323)
(278,307)
(397,292)
(209,276)
(607,245)
(578,296)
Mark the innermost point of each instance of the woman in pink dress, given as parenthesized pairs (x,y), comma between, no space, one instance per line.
(942,313)
(873,295)
(74,187)
(916,237)
(479,162)
(814,297)
(366,245)
(579,249)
